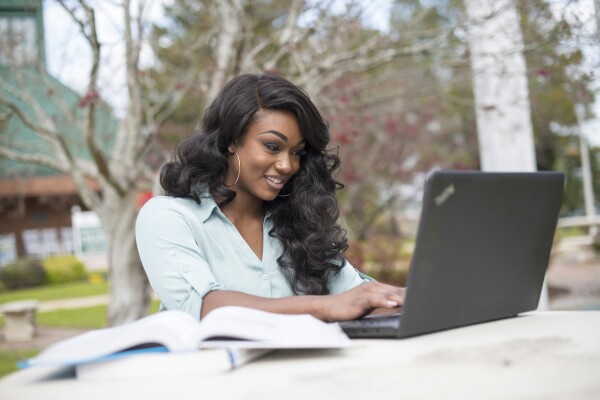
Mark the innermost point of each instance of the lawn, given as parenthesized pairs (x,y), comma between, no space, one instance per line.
(86,318)
(55,292)
(9,359)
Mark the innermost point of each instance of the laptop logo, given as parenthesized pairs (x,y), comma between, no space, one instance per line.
(445,195)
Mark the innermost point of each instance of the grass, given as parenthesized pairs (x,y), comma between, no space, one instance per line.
(9,358)
(571,231)
(84,318)
(55,292)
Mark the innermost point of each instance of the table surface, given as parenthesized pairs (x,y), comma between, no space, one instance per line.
(549,355)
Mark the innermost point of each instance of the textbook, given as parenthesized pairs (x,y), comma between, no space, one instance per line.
(243,333)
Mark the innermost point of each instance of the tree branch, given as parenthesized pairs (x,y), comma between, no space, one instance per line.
(32,159)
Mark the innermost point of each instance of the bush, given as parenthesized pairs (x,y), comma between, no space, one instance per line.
(64,269)
(382,258)
(23,273)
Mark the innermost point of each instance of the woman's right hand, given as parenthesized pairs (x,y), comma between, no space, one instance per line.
(360,301)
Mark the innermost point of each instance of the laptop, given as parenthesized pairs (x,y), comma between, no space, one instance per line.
(481,253)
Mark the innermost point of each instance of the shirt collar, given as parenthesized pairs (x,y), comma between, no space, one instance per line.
(208,206)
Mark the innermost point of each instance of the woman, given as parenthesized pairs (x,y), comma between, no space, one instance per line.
(250,216)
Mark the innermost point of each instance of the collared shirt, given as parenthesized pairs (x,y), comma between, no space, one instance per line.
(189,249)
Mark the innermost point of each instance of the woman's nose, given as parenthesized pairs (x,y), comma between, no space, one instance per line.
(284,164)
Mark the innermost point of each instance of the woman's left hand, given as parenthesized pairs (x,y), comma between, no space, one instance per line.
(360,301)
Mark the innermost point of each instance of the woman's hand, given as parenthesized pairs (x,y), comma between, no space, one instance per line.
(360,301)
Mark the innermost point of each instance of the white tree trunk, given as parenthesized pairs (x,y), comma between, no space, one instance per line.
(129,291)
(500,87)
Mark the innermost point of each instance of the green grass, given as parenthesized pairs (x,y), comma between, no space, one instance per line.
(55,292)
(86,318)
(9,358)
(571,231)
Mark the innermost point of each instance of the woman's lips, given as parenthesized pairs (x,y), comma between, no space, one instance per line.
(274,182)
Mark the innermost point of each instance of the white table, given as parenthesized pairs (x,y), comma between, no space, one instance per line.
(551,355)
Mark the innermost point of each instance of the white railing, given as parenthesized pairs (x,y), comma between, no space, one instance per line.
(584,220)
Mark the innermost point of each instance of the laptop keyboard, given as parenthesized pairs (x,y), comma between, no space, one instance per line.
(378,325)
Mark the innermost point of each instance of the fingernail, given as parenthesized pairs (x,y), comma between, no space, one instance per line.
(392,303)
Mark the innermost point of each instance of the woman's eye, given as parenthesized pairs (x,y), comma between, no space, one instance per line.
(299,153)
(272,146)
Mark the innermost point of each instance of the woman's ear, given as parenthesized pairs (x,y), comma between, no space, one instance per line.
(232,147)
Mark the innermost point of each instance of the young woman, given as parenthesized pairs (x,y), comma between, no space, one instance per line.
(250,216)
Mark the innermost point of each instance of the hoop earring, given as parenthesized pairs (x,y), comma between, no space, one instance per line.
(239,171)
(284,195)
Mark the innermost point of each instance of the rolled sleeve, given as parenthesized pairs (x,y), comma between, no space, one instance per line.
(348,278)
(174,263)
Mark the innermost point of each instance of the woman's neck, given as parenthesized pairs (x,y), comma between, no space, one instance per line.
(243,208)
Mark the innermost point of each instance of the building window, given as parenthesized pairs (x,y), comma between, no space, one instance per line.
(8,248)
(42,243)
(18,43)
(32,240)
(66,234)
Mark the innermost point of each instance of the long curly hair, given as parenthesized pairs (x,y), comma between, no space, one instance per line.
(305,220)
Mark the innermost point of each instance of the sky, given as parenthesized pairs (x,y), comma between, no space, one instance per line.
(68,54)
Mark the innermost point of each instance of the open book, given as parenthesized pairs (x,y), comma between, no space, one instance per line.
(244,332)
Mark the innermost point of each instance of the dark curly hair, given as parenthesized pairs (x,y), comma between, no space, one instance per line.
(306,220)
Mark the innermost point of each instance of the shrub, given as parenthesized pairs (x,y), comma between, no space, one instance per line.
(63,269)
(22,273)
(382,258)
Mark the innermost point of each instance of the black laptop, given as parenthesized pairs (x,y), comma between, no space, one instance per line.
(481,253)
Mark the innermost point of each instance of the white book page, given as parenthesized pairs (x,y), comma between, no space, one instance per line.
(279,330)
(173,329)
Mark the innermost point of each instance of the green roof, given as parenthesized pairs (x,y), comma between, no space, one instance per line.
(64,108)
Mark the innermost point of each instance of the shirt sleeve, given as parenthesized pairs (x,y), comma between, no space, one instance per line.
(174,263)
(348,278)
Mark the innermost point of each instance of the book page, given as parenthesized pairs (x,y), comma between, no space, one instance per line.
(173,329)
(258,328)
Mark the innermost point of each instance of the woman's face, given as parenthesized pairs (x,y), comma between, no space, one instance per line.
(269,155)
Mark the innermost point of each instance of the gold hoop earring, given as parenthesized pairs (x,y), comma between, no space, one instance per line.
(284,195)
(239,171)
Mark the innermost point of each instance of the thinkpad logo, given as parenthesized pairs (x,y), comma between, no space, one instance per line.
(442,197)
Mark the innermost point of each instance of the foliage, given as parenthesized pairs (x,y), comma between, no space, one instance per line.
(22,273)
(64,269)
(558,82)
(382,258)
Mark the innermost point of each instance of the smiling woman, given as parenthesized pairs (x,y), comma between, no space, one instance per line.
(250,216)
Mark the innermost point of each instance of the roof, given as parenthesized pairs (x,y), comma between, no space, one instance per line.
(54,185)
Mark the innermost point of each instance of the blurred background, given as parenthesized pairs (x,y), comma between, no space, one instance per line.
(95,95)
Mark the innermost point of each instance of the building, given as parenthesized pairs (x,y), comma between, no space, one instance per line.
(36,201)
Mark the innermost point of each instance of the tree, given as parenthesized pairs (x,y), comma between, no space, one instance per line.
(112,160)
(206,44)
(343,64)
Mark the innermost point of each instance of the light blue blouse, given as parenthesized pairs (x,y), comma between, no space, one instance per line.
(190,249)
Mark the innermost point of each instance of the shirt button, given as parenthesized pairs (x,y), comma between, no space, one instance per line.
(172,252)
(264,277)
(186,270)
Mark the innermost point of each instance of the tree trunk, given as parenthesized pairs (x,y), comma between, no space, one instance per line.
(500,87)
(130,290)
